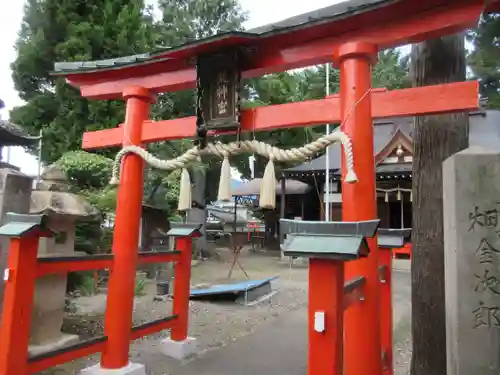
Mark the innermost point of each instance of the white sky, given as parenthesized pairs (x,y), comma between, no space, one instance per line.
(261,12)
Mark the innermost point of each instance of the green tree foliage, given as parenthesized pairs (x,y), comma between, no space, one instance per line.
(184,21)
(85,170)
(89,175)
(390,72)
(188,20)
(485,58)
(55,30)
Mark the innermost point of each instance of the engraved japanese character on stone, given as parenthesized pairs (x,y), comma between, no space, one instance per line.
(487,218)
(486,316)
(487,282)
(486,251)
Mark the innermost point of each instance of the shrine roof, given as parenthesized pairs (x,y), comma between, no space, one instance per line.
(483,131)
(394,168)
(187,50)
(14,135)
(291,26)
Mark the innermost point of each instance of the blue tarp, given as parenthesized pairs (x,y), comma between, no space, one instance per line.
(231,288)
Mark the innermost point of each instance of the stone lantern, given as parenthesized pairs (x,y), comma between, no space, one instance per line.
(15,186)
(64,210)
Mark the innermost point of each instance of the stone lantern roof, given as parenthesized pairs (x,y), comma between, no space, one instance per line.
(52,197)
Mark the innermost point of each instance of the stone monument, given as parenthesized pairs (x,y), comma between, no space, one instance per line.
(64,209)
(471,180)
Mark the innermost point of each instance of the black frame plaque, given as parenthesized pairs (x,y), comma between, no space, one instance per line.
(219,80)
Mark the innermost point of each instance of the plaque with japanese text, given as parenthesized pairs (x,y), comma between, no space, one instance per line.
(218,91)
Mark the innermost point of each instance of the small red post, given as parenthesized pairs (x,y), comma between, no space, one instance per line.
(385,261)
(17,305)
(118,319)
(326,293)
(362,346)
(182,289)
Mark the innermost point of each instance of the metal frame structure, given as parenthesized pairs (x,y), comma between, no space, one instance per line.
(349,34)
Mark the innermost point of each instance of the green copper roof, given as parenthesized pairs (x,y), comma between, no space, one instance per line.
(366,228)
(325,246)
(18,225)
(184,230)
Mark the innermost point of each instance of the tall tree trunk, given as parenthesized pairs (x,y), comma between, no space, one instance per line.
(435,139)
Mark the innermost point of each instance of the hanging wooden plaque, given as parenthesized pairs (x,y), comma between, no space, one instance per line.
(219,91)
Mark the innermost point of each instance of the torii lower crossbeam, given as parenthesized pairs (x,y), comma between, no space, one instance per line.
(407,102)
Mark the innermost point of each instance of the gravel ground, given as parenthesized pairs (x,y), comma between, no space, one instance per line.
(214,325)
(402,346)
(402,356)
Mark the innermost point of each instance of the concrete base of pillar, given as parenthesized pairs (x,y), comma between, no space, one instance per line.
(178,349)
(63,341)
(130,369)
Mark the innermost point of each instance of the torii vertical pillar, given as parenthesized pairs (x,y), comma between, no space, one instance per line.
(362,347)
(118,319)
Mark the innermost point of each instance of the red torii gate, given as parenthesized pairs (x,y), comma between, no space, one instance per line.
(351,38)
(353,43)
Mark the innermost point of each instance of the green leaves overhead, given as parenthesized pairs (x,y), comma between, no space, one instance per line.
(54,30)
(183,21)
(188,20)
(86,170)
(64,30)
(390,72)
(484,60)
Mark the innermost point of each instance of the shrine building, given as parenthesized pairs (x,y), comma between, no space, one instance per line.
(393,146)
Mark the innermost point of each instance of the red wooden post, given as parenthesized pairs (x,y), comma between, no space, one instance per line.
(385,260)
(17,305)
(326,292)
(182,282)
(118,319)
(362,345)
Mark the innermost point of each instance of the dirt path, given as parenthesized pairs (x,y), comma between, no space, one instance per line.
(279,347)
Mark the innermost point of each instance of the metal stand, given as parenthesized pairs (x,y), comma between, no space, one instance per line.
(237,242)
